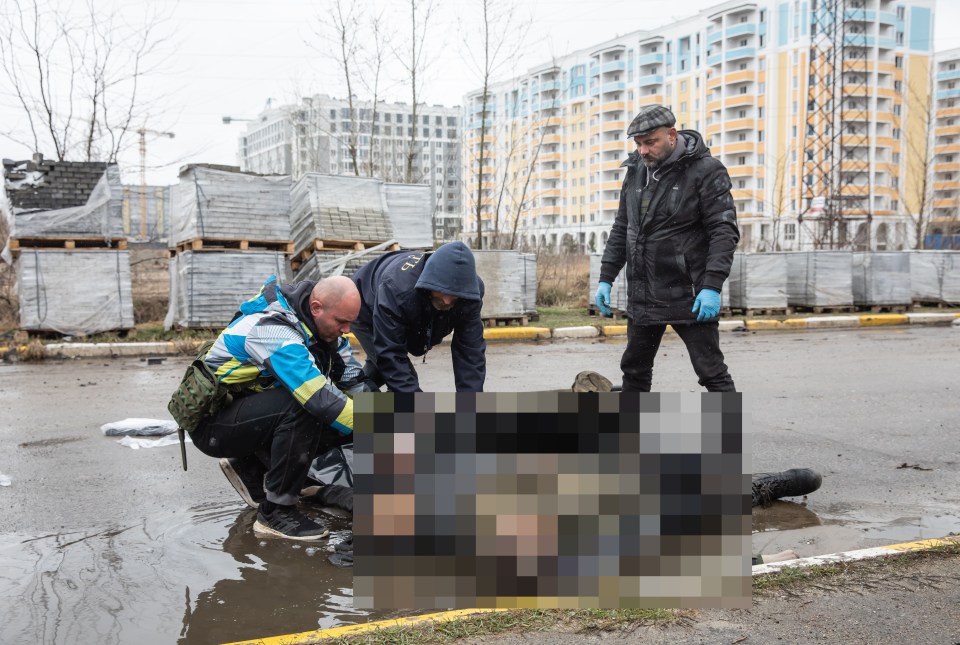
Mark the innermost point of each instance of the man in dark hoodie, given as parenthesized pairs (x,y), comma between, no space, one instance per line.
(676,231)
(290,368)
(411,300)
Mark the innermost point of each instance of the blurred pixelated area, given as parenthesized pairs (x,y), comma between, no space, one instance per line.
(551,500)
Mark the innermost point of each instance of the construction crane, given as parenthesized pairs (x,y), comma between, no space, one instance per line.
(143,132)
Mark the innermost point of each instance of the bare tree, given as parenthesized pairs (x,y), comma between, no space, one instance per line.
(916,198)
(379,43)
(501,36)
(78,76)
(414,63)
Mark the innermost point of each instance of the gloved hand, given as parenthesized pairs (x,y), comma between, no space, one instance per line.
(707,304)
(603,298)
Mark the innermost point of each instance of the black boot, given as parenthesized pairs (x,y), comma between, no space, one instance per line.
(795,482)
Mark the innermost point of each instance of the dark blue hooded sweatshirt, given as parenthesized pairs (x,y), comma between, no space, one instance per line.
(397,313)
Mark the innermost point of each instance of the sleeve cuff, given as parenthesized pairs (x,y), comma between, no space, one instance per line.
(713,281)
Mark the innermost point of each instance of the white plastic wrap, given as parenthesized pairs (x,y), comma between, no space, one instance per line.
(530,282)
(820,279)
(757,281)
(222,205)
(935,276)
(618,293)
(99,217)
(410,208)
(74,292)
(207,287)
(881,278)
(335,207)
(506,278)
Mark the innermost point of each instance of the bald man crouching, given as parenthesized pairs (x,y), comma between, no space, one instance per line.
(285,357)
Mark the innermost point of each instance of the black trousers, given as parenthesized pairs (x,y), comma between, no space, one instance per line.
(269,432)
(703,345)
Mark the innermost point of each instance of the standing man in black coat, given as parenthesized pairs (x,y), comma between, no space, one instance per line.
(676,230)
(411,300)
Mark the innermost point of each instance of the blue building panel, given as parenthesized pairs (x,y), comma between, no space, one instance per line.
(783,22)
(921,28)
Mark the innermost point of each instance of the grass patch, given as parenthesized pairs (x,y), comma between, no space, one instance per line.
(518,621)
(553,317)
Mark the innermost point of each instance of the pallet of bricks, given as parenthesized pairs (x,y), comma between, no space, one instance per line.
(935,278)
(510,287)
(339,223)
(73,266)
(230,231)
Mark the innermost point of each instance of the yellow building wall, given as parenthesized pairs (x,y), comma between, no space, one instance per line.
(917,97)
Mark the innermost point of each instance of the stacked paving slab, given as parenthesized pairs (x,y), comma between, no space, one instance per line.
(73,269)
(207,287)
(757,281)
(935,277)
(337,217)
(820,279)
(74,292)
(510,283)
(881,278)
(231,232)
(222,204)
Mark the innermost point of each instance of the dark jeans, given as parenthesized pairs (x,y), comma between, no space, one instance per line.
(703,345)
(269,431)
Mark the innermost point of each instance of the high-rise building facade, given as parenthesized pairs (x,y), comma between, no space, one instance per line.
(323,134)
(943,230)
(810,168)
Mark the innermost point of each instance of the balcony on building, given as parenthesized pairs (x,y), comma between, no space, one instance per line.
(650,79)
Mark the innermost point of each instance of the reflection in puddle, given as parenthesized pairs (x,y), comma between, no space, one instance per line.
(783,516)
(877,524)
(199,576)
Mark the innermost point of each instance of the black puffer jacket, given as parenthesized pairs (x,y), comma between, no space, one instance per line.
(396,312)
(685,242)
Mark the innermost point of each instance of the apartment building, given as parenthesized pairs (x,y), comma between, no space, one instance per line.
(322,134)
(818,153)
(943,229)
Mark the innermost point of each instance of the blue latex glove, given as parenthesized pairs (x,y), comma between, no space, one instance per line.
(707,304)
(603,299)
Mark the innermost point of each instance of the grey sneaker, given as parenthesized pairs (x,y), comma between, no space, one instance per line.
(246,476)
(288,523)
(795,482)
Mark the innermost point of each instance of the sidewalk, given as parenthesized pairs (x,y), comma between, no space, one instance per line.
(173,348)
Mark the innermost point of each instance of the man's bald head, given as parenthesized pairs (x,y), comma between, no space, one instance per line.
(334,304)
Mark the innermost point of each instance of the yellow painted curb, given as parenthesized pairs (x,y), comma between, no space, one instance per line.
(347,630)
(877,320)
(758,325)
(795,323)
(920,545)
(613,330)
(516,333)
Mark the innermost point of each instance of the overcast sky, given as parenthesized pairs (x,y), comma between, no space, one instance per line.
(228,57)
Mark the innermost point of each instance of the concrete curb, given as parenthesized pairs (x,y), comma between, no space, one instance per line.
(304,638)
(850,556)
(107,350)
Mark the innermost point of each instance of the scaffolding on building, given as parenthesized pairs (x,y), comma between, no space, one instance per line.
(837,178)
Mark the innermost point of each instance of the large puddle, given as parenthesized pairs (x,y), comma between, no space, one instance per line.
(202,576)
(199,576)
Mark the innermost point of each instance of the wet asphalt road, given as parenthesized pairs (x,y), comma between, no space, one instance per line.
(102,543)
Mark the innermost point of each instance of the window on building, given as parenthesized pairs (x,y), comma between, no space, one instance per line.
(742,114)
(741,184)
(741,161)
(743,89)
(743,43)
(789,231)
(741,137)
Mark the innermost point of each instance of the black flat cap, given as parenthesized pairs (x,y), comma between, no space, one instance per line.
(649,119)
